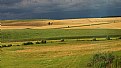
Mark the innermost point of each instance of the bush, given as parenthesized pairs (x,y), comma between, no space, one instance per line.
(38,42)
(62,40)
(9,45)
(107,60)
(94,39)
(119,38)
(43,41)
(28,43)
(17,45)
(108,38)
(28,28)
(50,23)
(4,46)
(68,26)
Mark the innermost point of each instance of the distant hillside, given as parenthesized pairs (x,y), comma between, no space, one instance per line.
(110,16)
(82,23)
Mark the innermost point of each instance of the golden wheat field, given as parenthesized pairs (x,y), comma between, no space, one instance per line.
(84,23)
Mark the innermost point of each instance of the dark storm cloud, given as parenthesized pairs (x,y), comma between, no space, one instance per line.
(18,9)
(9,2)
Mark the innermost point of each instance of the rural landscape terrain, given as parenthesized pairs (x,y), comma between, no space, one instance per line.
(67,43)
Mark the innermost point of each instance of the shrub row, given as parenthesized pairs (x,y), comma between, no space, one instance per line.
(9,45)
(44,41)
(26,43)
(107,38)
(39,42)
(30,43)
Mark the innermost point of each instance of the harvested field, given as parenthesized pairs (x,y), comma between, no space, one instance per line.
(43,24)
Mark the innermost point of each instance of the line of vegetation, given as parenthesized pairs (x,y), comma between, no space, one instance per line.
(9,45)
(59,40)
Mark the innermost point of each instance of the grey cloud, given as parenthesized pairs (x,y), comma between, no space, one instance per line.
(39,8)
(9,2)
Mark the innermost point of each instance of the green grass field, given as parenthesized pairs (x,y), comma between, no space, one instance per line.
(36,34)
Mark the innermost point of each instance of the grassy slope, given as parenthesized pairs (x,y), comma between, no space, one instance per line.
(12,58)
(9,35)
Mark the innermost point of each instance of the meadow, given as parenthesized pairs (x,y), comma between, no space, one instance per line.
(56,34)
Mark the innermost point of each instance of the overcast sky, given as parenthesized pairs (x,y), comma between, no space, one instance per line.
(58,9)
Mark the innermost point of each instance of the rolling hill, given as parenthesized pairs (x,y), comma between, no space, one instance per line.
(83,23)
